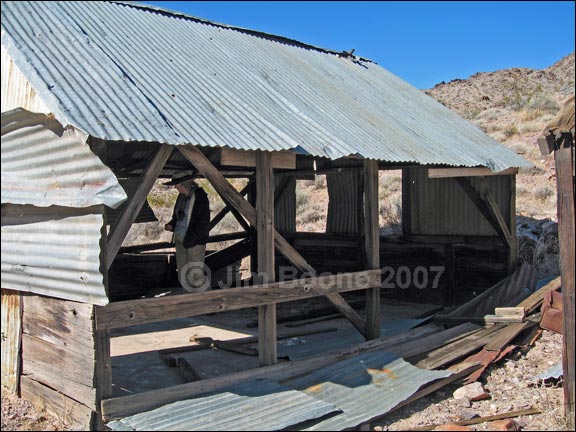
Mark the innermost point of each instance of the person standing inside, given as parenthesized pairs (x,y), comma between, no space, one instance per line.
(190,224)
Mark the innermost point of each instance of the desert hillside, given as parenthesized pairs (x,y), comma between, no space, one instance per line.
(513,106)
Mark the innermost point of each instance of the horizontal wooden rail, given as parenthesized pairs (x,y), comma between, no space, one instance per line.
(141,311)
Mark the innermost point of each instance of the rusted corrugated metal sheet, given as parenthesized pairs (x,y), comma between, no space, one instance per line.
(11,338)
(255,405)
(441,207)
(44,164)
(137,73)
(363,387)
(54,251)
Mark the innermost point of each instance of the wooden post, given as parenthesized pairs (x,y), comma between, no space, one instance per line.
(265,229)
(513,247)
(252,200)
(224,188)
(11,339)
(372,245)
(121,226)
(564,158)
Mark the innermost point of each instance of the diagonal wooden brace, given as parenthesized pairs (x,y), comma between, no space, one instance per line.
(226,190)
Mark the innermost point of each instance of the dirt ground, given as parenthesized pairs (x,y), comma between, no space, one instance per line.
(509,384)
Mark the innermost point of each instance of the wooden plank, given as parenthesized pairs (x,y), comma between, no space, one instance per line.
(102,373)
(267,348)
(513,248)
(11,339)
(222,213)
(477,420)
(65,324)
(133,404)
(533,302)
(65,364)
(48,375)
(467,172)
(372,245)
(506,335)
(55,403)
(224,188)
(141,311)
(125,220)
(434,341)
(564,161)
(456,350)
(247,158)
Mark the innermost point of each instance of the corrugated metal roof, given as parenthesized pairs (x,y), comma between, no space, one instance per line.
(363,387)
(54,251)
(44,164)
(134,73)
(254,405)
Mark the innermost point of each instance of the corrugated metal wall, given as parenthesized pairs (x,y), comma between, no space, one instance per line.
(440,206)
(344,202)
(285,209)
(53,251)
(16,90)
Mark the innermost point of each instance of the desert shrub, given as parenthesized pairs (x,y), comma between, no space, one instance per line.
(519,148)
(390,210)
(510,130)
(543,192)
(533,170)
(320,182)
(542,103)
(302,199)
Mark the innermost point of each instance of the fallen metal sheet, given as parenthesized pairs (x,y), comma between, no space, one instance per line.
(253,405)
(308,346)
(555,372)
(363,387)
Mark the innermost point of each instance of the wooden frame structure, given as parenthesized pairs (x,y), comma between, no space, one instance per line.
(83,401)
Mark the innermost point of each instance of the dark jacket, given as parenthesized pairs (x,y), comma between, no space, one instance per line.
(198,228)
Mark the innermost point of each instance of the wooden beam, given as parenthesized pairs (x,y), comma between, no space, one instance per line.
(247,158)
(224,188)
(125,220)
(217,218)
(372,245)
(513,249)
(467,172)
(478,191)
(564,160)
(141,311)
(267,348)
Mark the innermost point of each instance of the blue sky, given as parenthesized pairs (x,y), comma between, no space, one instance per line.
(423,43)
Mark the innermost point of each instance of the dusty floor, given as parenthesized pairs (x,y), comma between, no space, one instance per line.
(508,382)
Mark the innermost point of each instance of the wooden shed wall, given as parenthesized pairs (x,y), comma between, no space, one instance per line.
(345,202)
(59,358)
(439,206)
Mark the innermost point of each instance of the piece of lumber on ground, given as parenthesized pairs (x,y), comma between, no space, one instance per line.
(236,348)
(451,352)
(507,334)
(477,420)
(533,302)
